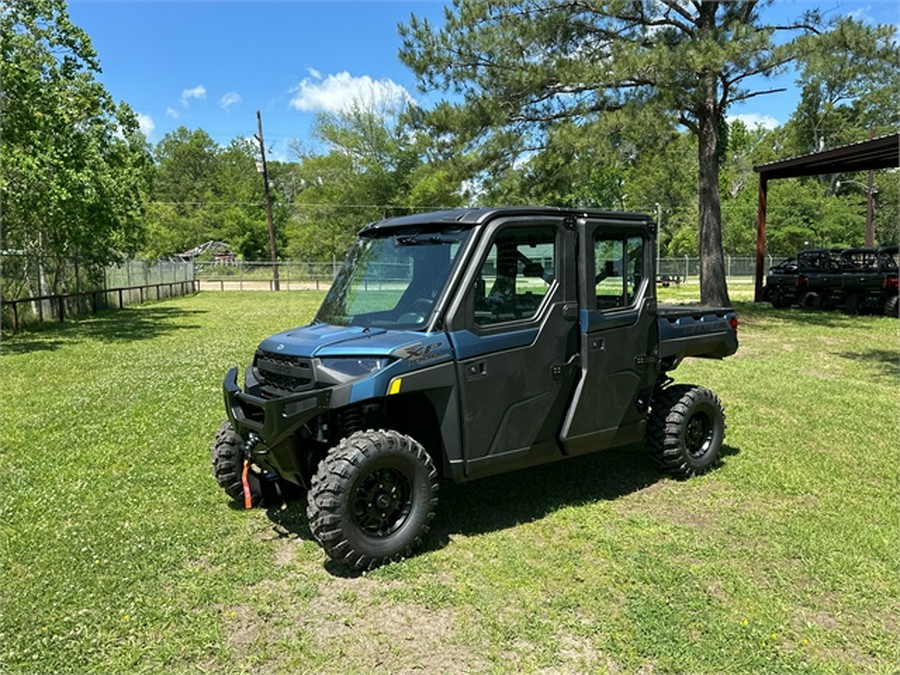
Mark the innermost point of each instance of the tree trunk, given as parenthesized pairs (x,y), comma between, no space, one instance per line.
(713,286)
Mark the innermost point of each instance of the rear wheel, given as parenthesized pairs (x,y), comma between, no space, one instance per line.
(372,499)
(811,300)
(686,430)
(892,308)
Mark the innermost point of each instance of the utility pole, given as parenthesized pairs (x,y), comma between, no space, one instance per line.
(265,175)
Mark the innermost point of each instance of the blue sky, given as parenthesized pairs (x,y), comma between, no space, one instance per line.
(212,64)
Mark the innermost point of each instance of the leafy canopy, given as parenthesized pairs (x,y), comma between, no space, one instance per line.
(74,164)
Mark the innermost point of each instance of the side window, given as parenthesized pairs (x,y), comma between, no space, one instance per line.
(516,275)
(619,269)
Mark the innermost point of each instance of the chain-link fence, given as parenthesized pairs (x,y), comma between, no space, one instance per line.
(736,267)
(34,289)
(260,276)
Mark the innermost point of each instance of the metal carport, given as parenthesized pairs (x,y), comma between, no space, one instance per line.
(877,153)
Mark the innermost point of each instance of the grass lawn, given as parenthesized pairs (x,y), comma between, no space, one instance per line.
(121,554)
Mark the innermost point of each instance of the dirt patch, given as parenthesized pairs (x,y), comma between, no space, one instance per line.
(352,625)
(286,550)
(691,503)
(578,655)
(353,617)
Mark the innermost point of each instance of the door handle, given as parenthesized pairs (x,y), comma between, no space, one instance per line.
(476,370)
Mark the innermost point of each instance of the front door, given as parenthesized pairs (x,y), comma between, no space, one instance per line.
(514,333)
(618,337)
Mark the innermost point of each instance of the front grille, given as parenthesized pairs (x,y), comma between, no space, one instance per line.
(286,374)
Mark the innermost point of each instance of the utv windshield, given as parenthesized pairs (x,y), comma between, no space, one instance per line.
(393,279)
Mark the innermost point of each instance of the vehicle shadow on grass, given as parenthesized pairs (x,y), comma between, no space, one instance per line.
(501,502)
(885,364)
(504,501)
(750,313)
(128,324)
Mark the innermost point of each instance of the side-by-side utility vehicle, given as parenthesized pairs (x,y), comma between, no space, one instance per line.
(461,344)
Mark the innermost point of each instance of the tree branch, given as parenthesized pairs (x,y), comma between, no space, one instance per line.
(795,26)
(674,6)
(744,97)
(689,123)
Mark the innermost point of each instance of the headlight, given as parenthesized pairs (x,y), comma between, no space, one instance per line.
(340,369)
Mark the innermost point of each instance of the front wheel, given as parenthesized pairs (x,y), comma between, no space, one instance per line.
(228,465)
(228,468)
(779,300)
(686,429)
(372,499)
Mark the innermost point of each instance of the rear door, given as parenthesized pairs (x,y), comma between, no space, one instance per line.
(618,336)
(514,333)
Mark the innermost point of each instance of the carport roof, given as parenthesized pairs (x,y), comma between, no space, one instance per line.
(878,153)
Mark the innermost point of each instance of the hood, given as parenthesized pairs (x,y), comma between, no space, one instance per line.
(321,339)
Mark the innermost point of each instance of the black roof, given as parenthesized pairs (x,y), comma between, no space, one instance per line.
(878,153)
(479,216)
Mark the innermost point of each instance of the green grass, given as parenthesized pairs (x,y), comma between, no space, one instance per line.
(120,553)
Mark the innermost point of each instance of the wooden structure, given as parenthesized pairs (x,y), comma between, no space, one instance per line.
(877,153)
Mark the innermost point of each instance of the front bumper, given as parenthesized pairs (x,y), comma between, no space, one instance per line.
(275,422)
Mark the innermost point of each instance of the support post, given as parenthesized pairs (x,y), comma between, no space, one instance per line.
(760,237)
(870,201)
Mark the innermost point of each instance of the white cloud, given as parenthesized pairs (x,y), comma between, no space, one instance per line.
(198,92)
(754,120)
(861,14)
(315,74)
(146,124)
(230,99)
(171,112)
(340,92)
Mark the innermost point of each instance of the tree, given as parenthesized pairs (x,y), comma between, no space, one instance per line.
(74,165)
(184,191)
(376,167)
(203,192)
(849,84)
(523,67)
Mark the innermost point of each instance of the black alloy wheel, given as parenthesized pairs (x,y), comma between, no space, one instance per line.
(383,502)
(372,499)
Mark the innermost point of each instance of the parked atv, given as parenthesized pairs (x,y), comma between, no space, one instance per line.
(462,344)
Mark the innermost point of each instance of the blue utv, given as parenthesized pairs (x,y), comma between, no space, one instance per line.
(460,344)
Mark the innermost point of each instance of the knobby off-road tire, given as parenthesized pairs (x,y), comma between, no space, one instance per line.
(685,430)
(228,464)
(811,300)
(372,499)
(892,307)
(853,304)
(779,301)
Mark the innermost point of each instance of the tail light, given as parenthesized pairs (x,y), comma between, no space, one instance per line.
(802,280)
(734,323)
(890,283)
